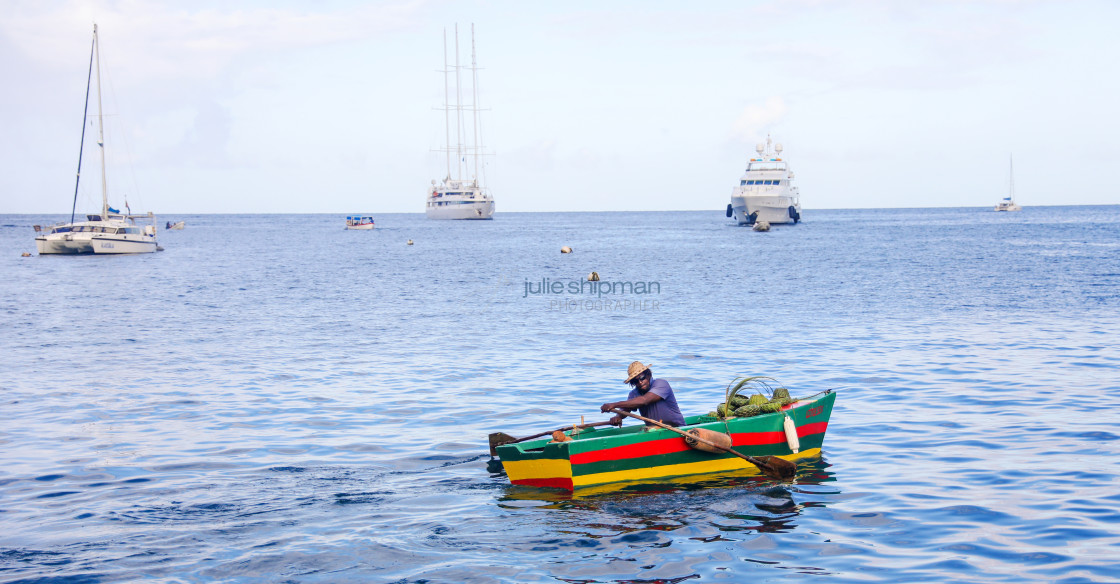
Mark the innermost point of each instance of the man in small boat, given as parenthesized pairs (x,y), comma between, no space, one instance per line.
(653,398)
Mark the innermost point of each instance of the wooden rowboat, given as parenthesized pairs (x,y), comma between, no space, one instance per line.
(598,456)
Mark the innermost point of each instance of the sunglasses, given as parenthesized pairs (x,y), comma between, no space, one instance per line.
(641,376)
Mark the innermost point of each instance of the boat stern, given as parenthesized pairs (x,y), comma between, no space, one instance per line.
(537,464)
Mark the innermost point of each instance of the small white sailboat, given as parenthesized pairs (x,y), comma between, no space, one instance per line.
(1008,202)
(456,196)
(110,232)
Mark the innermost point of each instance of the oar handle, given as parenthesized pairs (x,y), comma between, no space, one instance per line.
(564,429)
(501,438)
(767,468)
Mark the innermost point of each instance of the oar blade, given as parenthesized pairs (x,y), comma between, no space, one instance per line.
(499,438)
(775,467)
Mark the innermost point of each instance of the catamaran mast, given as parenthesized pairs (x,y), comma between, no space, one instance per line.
(1011,166)
(101,131)
(85,116)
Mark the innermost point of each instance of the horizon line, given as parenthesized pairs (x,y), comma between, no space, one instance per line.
(575,211)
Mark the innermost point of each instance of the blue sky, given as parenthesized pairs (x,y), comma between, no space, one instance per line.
(284,107)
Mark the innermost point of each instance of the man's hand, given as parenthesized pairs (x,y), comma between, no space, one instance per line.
(616,421)
(607,407)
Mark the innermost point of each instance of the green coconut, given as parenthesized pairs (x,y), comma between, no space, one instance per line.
(780,393)
(757,399)
(747,411)
(738,401)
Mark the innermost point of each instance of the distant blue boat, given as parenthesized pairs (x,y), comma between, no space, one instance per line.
(359,222)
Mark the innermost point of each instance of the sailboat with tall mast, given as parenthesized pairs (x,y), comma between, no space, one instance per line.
(461,194)
(110,232)
(1008,202)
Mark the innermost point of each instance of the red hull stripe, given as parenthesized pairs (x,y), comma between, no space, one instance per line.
(639,450)
(556,483)
(677,444)
(810,429)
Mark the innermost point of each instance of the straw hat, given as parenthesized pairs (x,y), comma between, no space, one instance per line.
(636,369)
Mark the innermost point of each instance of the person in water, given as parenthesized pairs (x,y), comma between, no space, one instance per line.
(653,398)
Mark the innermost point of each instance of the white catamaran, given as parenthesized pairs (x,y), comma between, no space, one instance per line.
(456,197)
(765,192)
(1008,202)
(110,232)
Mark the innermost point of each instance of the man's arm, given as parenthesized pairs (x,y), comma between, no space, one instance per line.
(632,404)
(629,405)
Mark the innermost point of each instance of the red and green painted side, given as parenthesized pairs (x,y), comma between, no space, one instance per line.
(633,453)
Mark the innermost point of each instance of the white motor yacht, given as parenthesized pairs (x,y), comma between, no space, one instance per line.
(766,191)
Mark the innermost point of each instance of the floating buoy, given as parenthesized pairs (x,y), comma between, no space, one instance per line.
(791,434)
(565,249)
(27,255)
(762,226)
(559,436)
(593,277)
(711,436)
(410,242)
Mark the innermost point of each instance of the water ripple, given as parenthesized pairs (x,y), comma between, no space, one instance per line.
(276,399)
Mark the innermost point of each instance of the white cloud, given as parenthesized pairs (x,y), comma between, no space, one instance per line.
(757,119)
(153,38)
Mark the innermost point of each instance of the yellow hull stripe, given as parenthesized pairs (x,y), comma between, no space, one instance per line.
(677,470)
(562,469)
(552,468)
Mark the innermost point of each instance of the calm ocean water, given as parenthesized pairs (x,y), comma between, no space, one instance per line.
(276,399)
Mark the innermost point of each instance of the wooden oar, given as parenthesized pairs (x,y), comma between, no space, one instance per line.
(501,438)
(771,466)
